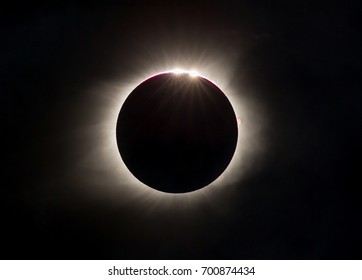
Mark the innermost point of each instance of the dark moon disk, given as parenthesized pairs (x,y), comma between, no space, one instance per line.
(177,133)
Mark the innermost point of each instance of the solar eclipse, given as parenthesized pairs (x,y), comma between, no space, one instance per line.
(177,131)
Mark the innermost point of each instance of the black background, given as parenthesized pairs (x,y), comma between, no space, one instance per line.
(300,61)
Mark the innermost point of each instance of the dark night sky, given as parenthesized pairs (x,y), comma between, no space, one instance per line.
(299,62)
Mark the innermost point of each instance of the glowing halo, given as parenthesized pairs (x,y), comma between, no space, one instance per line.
(108,98)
